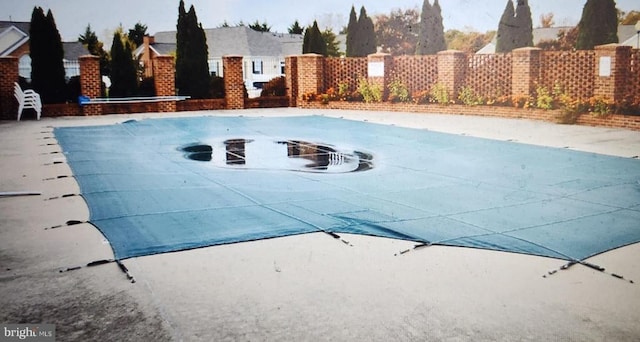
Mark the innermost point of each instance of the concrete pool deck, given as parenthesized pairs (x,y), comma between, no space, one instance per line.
(308,287)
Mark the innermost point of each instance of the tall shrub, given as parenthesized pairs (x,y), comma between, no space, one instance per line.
(431,30)
(515,29)
(47,68)
(505,37)
(598,24)
(366,34)
(352,31)
(524,25)
(313,42)
(192,67)
(124,81)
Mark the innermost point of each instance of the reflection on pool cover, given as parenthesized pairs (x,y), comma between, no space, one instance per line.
(293,155)
(428,187)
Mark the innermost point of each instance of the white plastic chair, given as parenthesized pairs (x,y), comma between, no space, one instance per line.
(27,99)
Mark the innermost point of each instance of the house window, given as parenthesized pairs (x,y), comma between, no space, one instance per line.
(282,68)
(257,67)
(24,67)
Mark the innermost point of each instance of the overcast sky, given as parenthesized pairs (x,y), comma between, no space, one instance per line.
(72,16)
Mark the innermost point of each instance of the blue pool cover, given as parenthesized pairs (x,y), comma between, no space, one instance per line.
(163,185)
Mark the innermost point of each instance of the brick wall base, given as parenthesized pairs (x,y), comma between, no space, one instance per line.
(615,120)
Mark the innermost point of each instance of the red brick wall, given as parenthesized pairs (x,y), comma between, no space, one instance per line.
(587,119)
(341,70)
(90,82)
(233,82)
(165,81)
(418,73)
(291,81)
(525,70)
(633,84)
(489,75)
(452,69)
(8,76)
(573,70)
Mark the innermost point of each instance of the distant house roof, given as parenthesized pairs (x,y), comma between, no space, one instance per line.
(625,33)
(240,40)
(73,50)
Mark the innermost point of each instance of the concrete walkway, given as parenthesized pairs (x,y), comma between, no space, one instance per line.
(300,288)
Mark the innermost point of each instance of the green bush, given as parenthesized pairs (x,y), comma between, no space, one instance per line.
(216,87)
(398,92)
(370,92)
(439,93)
(467,96)
(275,87)
(544,100)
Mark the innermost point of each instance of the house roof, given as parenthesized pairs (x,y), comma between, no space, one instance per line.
(240,40)
(12,36)
(73,50)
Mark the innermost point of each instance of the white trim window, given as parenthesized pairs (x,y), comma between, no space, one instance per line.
(258,67)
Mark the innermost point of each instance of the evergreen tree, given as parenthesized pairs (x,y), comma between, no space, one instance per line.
(366,35)
(137,33)
(431,32)
(313,42)
(598,24)
(96,48)
(47,68)
(505,37)
(295,28)
(438,41)
(524,25)
(332,44)
(352,31)
(124,82)
(256,26)
(192,67)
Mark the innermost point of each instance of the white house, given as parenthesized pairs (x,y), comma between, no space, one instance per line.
(263,52)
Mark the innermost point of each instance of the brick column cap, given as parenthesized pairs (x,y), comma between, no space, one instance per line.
(379,54)
(612,47)
(8,57)
(311,55)
(232,56)
(162,57)
(450,52)
(526,49)
(88,57)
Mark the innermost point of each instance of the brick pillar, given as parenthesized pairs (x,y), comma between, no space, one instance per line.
(612,65)
(452,68)
(90,82)
(379,67)
(525,70)
(310,74)
(233,82)
(8,76)
(164,78)
(291,79)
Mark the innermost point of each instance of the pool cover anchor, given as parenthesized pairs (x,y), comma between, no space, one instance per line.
(589,265)
(121,266)
(418,246)
(67,224)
